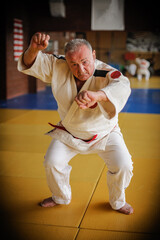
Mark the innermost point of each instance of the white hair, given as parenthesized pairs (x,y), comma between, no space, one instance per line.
(74,44)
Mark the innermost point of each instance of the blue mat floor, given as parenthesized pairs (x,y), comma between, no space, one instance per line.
(140,101)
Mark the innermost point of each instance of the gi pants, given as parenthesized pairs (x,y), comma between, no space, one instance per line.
(116,157)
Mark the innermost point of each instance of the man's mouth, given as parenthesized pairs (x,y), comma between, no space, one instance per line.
(82,74)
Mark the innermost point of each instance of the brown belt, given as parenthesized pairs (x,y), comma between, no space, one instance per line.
(63,128)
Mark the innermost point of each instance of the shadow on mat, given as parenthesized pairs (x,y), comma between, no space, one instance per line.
(103,206)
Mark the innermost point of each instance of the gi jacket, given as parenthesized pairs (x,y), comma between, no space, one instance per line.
(81,123)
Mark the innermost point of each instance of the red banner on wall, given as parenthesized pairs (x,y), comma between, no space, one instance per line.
(17,38)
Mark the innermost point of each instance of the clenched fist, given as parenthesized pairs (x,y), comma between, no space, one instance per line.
(39,41)
(88,99)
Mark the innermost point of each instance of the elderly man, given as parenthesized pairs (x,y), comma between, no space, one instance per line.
(89,94)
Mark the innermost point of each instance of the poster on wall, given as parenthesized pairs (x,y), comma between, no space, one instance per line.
(17,38)
(107,15)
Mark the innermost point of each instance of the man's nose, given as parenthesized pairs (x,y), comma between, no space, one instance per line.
(81,68)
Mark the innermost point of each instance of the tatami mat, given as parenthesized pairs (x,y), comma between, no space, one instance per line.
(88,234)
(19,142)
(89,216)
(22,164)
(34,117)
(25,231)
(20,198)
(45,232)
(142,194)
(154,82)
(142,134)
(142,138)
(27,187)
(7,114)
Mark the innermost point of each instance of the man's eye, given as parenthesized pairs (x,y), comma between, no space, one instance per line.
(85,62)
(74,65)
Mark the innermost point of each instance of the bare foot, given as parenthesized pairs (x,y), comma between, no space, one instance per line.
(48,202)
(126,209)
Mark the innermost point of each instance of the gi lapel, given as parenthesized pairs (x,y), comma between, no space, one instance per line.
(74,105)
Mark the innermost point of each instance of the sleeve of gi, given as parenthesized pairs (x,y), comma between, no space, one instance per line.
(117,91)
(42,67)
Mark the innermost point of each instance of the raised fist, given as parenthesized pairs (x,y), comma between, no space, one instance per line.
(39,41)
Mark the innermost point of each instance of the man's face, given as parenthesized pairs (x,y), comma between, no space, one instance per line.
(81,62)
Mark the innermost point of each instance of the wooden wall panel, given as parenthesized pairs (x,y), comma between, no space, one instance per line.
(110,46)
(119,39)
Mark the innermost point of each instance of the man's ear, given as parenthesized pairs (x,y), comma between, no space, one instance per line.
(94,54)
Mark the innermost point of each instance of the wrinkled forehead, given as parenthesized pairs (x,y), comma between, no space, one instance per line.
(82,52)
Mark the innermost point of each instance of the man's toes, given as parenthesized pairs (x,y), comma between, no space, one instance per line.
(48,202)
(126,209)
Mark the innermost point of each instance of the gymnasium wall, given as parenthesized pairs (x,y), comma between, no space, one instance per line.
(36,17)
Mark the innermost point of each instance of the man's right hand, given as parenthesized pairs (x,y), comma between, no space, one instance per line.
(39,41)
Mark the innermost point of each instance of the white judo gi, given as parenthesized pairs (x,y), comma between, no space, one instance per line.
(92,130)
